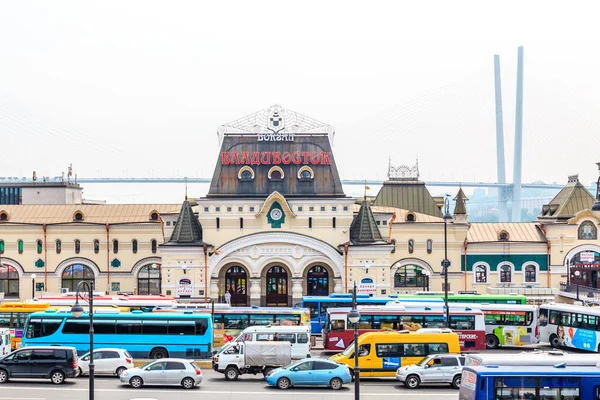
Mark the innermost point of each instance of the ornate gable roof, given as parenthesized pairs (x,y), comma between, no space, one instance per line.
(275,119)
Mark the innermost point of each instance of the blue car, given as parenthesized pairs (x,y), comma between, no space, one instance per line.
(310,372)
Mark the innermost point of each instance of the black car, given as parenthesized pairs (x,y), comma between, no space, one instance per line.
(53,362)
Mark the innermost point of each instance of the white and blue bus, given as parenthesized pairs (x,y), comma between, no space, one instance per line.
(567,325)
(531,383)
(143,335)
(318,305)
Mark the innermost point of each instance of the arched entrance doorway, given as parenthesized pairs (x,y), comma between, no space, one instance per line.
(236,283)
(277,286)
(74,274)
(9,281)
(584,268)
(149,280)
(317,281)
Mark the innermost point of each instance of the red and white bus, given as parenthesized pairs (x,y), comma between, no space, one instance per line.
(468,323)
(134,302)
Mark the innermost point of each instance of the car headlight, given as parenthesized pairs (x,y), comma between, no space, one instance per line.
(125,373)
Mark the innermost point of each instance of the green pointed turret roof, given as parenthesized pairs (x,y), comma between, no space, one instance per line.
(363,229)
(571,199)
(188,230)
(460,207)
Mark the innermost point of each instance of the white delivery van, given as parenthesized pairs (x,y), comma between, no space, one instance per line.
(298,336)
(252,358)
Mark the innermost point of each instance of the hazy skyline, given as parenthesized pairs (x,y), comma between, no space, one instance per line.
(140,88)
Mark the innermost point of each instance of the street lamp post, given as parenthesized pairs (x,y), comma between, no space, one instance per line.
(446,262)
(77,311)
(353,317)
(577,273)
(33,286)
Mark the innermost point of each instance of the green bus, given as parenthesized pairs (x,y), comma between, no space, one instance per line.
(467,298)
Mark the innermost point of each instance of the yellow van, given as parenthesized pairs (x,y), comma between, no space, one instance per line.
(380,354)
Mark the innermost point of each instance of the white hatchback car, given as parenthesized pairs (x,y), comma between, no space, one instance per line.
(106,362)
(165,371)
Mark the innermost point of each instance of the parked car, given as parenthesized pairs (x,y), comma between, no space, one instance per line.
(106,362)
(56,363)
(438,368)
(310,372)
(165,371)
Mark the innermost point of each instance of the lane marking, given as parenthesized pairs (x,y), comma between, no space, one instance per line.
(268,392)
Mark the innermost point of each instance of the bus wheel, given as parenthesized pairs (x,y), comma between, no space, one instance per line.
(491,342)
(554,342)
(159,352)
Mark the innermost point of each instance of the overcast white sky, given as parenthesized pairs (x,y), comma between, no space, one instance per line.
(139,88)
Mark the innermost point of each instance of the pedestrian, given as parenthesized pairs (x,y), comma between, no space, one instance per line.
(228,297)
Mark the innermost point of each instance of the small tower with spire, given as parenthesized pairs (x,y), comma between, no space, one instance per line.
(460,208)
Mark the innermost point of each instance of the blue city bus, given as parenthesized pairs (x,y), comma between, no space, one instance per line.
(560,382)
(318,305)
(143,335)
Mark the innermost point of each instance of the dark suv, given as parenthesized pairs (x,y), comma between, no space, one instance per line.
(54,362)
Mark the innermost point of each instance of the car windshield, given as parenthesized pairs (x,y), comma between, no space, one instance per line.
(423,361)
(349,350)
(292,365)
(148,363)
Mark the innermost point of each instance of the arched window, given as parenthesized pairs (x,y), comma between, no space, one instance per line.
(115,246)
(58,246)
(503,235)
(411,246)
(587,231)
(505,274)
(149,279)
(410,217)
(275,173)
(429,246)
(20,246)
(78,216)
(9,281)
(74,274)
(317,281)
(134,246)
(306,173)
(77,246)
(153,245)
(40,246)
(3,216)
(96,246)
(1,246)
(530,274)
(277,286)
(410,276)
(154,216)
(481,274)
(236,281)
(246,173)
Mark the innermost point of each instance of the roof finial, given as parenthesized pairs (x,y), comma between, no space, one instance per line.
(366,188)
(186,196)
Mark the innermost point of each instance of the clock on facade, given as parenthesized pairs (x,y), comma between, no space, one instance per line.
(276,214)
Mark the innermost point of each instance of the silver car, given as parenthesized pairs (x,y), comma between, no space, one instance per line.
(165,371)
(437,368)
